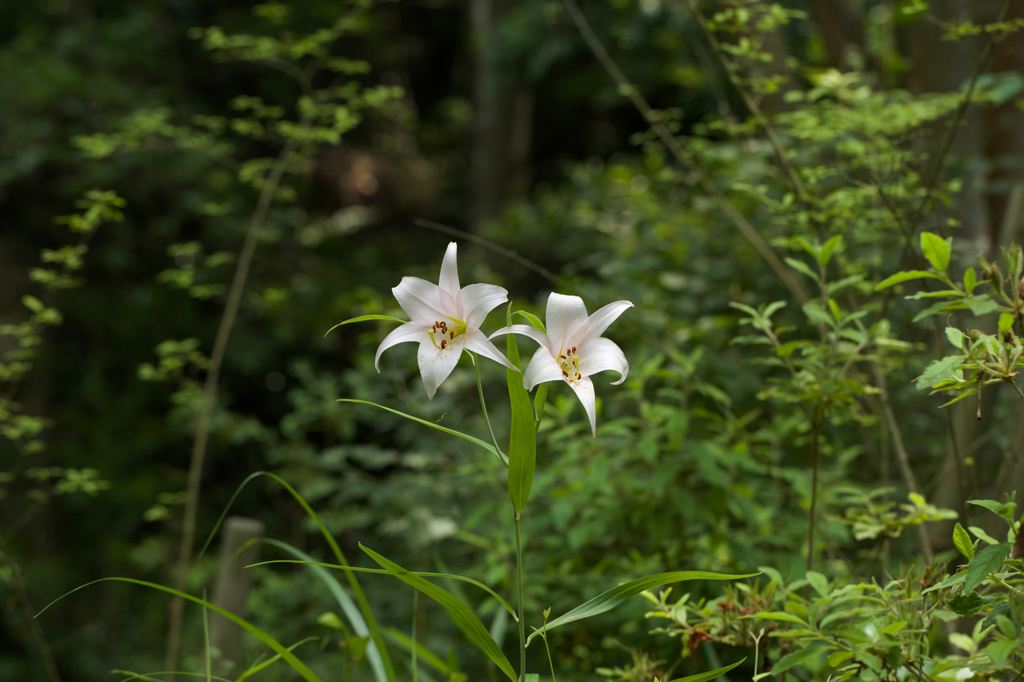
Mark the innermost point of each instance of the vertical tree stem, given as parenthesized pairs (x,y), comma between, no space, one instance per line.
(227,321)
(522,615)
(815,436)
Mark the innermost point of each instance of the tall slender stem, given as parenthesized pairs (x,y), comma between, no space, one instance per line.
(522,615)
(227,321)
(816,426)
(483,404)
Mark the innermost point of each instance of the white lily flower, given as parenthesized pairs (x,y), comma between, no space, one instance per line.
(573,349)
(445,320)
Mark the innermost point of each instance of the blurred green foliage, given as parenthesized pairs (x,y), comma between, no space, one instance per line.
(703,458)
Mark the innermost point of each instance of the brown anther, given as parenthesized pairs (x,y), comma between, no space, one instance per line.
(564,373)
(578,377)
(561,357)
(574,349)
(443,343)
(452,334)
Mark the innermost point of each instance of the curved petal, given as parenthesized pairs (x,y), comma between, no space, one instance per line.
(526,330)
(601,354)
(437,363)
(449,280)
(476,300)
(410,331)
(564,316)
(542,368)
(478,343)
(450,306)
(601,319)
(585,392)
(420,300)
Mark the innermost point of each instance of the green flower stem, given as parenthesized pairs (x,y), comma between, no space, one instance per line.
(522,615)
(483,406)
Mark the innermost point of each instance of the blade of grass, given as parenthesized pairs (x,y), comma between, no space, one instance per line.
(364,605)
(294,662)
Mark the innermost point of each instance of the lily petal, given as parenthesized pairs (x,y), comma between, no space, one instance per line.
(526,330)
(542,368)
(449,280)
(420,300)
(601,319)
(585,392)
(564,315)
(408,332)
(476,300)
(436,363)
(478,343)
(602,354)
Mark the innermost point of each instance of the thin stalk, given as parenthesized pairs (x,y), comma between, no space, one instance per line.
(415,613)
(815,435)
(947,144)
(522,615)
(901,456)
(227,321)
(483,403)
(691,167)
(28,612)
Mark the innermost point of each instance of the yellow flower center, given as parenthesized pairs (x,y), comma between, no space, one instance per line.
(441,334)
(570,364)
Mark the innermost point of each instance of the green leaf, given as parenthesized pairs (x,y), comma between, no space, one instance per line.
(827,248)
(905,276)
(381,571)
(1000,651)
(276,646)
(987,561)
(940,371)
(608,600)
(963,541)
(540,398)
(1004,509)
(982,305)
(956,337)
(532,319)
(893,628)
(838,657)
(936,250)
(33,304)
(365,318)
(461,615)
(779,615)
(522,446)
(819,582)
(795,658)
(476,441)
(966,605)
(939,307)
(702,677)
(1005,322)
(801,267)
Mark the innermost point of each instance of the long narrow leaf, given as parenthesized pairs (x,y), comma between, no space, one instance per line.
(365,318)
(381,571)
(702,677)
(461,615)
(476,441)
(364,606)
(522,447)
(145,677)
(345,602)
(606,601)
(255,668)
(287,655)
